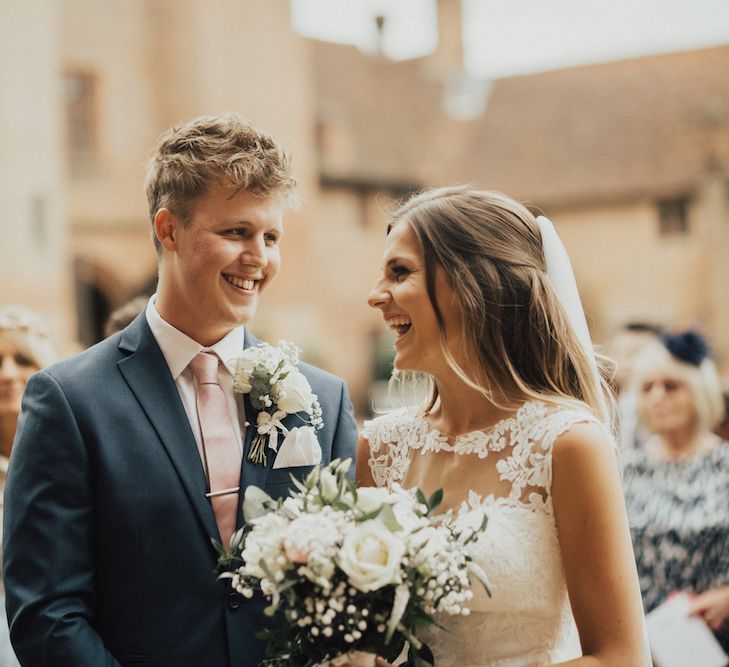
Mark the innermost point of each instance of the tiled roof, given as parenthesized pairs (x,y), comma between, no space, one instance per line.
(386,109)
(642,127)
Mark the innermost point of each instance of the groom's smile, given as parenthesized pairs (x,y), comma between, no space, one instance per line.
(213,268)
(243,284)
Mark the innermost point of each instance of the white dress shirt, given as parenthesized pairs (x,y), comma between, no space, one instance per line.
(179,350)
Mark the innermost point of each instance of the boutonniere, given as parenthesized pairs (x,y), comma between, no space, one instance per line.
(277,388)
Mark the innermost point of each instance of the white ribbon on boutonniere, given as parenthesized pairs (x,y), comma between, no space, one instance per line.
(268,423)
(277,388)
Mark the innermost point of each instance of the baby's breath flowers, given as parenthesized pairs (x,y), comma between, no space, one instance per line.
(350,569)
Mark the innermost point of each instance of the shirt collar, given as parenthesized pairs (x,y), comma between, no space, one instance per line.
(179,349)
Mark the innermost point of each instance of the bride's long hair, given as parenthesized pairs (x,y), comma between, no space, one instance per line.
(518,343)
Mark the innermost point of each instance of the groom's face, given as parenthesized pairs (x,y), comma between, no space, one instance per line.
(215,267)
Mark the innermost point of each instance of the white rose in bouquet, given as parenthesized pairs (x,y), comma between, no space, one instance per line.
(295,393)
(370,556)
(371,498)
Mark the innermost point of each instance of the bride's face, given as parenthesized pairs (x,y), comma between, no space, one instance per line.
(402,296)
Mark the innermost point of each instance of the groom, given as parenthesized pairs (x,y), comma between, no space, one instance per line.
(128,456)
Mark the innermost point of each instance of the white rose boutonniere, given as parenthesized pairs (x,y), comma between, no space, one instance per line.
(277,388)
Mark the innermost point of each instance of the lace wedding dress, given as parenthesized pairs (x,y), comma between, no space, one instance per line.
(508,470)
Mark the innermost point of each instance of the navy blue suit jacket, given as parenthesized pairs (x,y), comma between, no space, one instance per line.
(107,551)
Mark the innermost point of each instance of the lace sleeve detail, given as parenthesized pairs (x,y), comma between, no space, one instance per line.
(387,436)
(529,466)
(557,424)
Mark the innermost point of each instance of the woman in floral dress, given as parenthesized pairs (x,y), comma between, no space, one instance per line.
(677,484)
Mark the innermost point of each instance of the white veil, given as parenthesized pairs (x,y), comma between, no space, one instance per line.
(562,278)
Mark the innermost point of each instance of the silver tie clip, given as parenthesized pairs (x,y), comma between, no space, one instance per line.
(224,492)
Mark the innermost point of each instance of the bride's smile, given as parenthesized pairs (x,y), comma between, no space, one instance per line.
(402,294)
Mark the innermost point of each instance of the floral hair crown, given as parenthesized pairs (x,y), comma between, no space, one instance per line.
(689,347)
(17,319)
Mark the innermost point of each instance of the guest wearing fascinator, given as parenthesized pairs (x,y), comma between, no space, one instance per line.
(677,485)
(24,349)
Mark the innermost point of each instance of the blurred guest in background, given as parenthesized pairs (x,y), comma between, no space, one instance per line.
(24,349)
(722,429)
(625,344)
(677,483)
(125,314)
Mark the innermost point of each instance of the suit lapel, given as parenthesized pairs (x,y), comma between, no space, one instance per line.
(147,374)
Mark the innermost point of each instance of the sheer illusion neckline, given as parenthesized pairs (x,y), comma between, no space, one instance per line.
(479,441)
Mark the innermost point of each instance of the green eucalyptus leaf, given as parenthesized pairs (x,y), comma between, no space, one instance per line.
(387,515)
(435,499)
(370,515)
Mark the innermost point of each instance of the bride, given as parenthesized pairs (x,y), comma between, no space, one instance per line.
(514,421)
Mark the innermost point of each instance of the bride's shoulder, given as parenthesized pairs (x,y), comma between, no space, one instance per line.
(550,424)
(558,418)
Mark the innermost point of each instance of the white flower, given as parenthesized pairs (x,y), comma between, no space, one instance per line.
(255,501)
(264,545)
(295,393)
(291,506)
(370,556)
(469,522)
(344,466)
(371,498)
(306,533)
(244,366)
(316,537)
(329,484)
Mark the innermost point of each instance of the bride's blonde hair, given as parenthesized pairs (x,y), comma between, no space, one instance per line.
(518,343)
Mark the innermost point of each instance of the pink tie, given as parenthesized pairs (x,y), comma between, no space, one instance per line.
(222,454)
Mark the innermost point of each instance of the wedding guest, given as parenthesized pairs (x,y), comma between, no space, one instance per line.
(24,349)
(677,485)
(625,344)
(722,429)
(483,301)
(123,316)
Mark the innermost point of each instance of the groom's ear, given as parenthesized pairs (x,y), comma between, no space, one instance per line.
(165,229)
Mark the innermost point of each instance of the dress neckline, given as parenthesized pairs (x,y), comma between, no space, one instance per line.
(480,440)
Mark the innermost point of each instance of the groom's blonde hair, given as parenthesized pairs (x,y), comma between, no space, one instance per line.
(223,150)
(518,343)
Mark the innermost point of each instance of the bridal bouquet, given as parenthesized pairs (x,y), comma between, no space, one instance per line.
(350,569)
